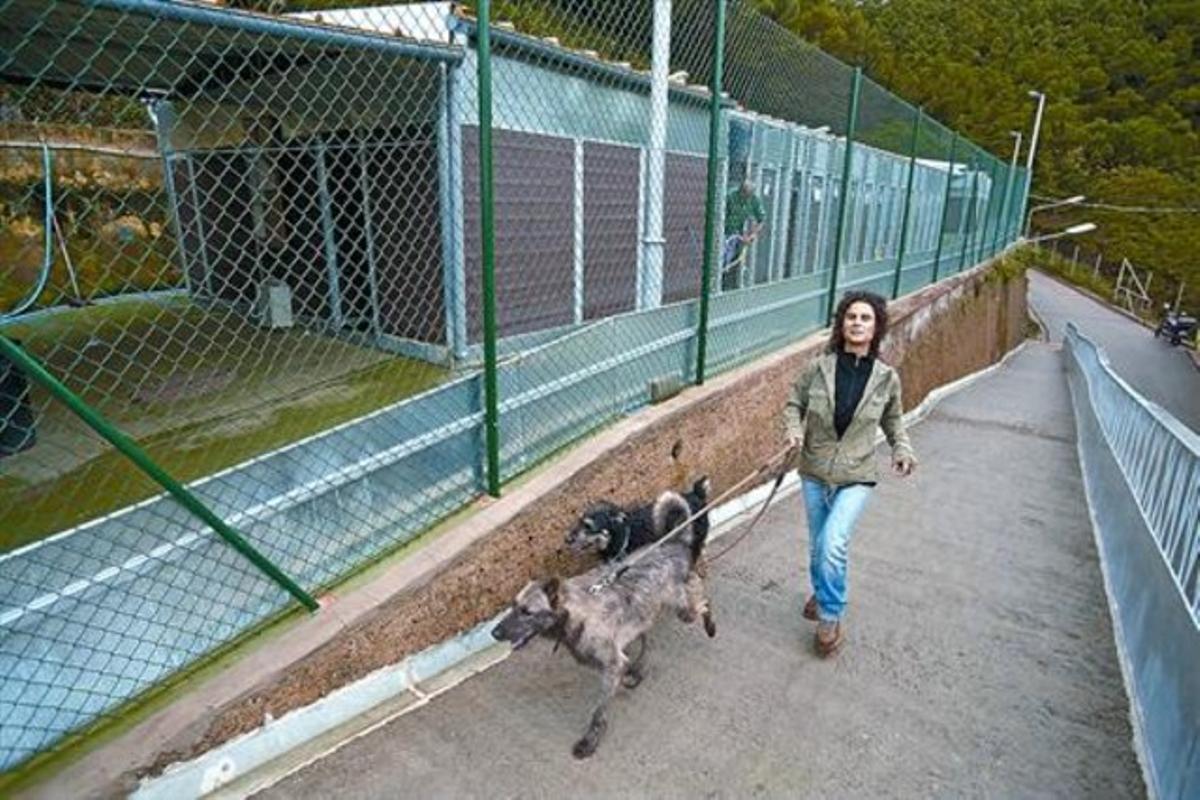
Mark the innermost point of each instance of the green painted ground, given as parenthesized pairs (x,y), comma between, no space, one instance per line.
(200,389)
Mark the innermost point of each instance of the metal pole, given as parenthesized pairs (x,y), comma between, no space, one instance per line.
(710,203)
(162,117)
(997,194)
(937,253)
(855,85)
(654,244)
(989,219)
(1033,143)
(198,217)
(912,171)
(369,234)
(488,241)
(327,227)
(1002,226)
(134,453)
(980,233)
(971,216)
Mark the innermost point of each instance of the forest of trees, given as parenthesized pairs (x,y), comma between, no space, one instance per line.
(1122,80)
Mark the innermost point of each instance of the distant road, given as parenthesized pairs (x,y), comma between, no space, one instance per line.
(1161,373)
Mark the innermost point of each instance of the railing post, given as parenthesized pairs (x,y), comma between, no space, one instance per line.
(488,245)
(710,202)
(937,254)
(138,456)
(839,232)
(912,171)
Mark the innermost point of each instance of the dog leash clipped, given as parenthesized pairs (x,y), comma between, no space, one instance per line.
(767,466)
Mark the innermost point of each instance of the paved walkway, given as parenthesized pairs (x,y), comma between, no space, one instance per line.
(980,659)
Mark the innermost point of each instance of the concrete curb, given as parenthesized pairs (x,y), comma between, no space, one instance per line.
(1043,328)
(263,757)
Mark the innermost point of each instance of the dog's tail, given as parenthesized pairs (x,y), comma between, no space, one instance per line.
(671,509)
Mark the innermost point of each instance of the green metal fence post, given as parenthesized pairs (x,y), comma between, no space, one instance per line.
(998,237)
(839,232)
(1014,211)
(979,233)
(134,453)
(971,215)
(937,253)
(988,245)
(710,202)
(979,237)
(912,171)
(488,241)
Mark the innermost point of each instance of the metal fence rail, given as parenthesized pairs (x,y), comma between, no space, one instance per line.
(1159,459)
(1141,468)
(341,271)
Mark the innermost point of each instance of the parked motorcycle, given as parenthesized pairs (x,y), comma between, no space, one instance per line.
(1175,327)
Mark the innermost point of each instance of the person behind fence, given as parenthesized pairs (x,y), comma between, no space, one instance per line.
(838,403)
(744,217)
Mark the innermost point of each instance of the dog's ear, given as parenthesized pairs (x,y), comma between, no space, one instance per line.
(551,587)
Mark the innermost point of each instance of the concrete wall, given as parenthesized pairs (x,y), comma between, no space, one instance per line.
(469,571)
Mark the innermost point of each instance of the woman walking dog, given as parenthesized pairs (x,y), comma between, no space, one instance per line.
(838,403)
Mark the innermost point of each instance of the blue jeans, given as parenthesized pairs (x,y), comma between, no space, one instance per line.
(832,512)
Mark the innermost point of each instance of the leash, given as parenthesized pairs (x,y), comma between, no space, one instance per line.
(749,528)
(766,467)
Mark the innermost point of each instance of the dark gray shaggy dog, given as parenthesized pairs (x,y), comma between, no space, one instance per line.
(598,627)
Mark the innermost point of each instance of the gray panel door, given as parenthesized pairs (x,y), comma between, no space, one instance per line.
(610,229)
(534,183)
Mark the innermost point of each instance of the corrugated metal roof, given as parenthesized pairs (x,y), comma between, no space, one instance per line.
(173,47)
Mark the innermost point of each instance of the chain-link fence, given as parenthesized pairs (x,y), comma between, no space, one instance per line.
(341,271)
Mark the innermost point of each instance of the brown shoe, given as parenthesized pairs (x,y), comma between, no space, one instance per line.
(828,638)
(810,608)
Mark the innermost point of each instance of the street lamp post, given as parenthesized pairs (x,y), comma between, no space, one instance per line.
(1074,230)
(1033,143)
(1003,229)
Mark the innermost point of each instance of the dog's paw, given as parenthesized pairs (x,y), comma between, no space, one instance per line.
(584,747)
(710,627)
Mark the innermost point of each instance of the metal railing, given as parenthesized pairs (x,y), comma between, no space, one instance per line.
(1141,468)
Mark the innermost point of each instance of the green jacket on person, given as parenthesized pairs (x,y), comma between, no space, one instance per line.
(809,415)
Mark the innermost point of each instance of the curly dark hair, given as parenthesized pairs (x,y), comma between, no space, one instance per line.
(837,339)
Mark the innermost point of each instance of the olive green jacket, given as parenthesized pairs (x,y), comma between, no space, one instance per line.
(809,417)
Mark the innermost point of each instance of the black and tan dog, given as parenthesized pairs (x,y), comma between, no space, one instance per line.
(614,532)
(598,626)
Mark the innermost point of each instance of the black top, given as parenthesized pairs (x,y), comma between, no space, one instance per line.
(852,375)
